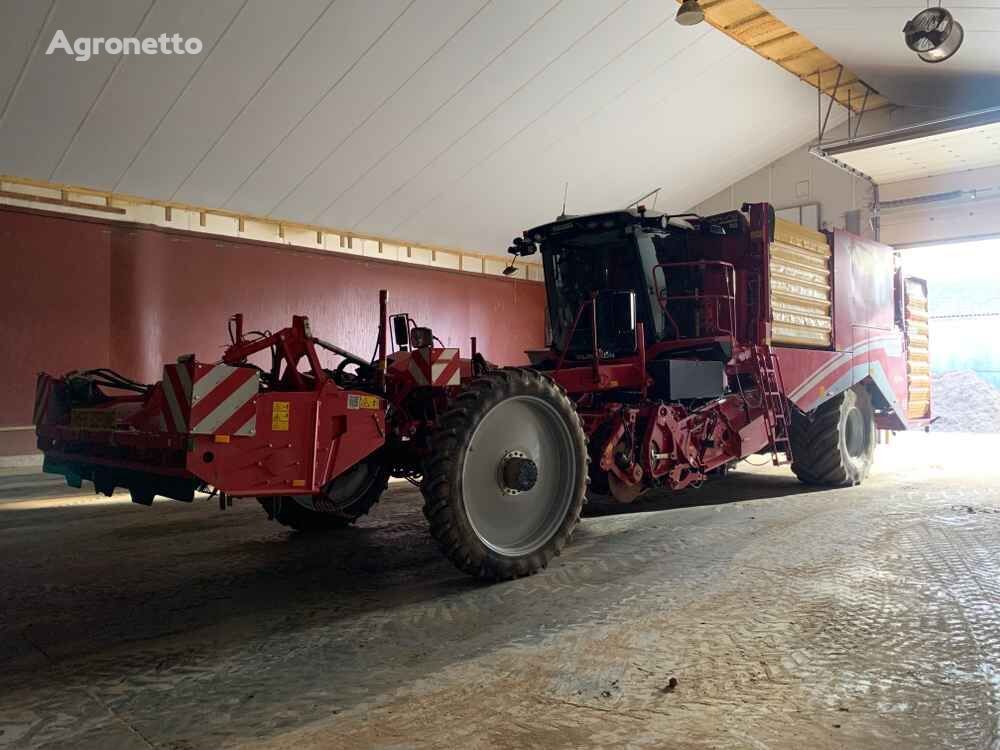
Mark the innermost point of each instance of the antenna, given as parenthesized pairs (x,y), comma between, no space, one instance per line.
(642,198)
(565,192)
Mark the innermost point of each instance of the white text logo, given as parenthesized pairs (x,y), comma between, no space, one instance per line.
(85,47)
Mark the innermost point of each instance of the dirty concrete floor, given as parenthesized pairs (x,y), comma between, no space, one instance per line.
(751,614)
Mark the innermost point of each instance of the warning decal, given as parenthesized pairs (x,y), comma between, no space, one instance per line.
(279,416)
(355,401)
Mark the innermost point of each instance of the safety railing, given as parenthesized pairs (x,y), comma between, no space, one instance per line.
(595,351)
(721,304)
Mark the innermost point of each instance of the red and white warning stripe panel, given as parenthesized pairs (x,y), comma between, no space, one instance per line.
(223,400)
(437,367)
(177,395)
(43,389)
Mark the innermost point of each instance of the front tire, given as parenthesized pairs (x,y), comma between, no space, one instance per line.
(506,476)
(834,445)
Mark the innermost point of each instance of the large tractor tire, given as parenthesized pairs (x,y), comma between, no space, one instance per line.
(344,501)
(506,475)
(834,445)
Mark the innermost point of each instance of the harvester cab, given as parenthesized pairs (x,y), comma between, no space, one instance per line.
(595,263)
(609,275)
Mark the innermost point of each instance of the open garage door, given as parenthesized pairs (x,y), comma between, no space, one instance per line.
(964,309)
(938,181)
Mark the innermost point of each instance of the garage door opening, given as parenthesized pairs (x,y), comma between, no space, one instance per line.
(964,303)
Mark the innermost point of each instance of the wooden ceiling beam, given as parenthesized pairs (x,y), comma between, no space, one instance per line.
(747,22)
(710,4)
(796,48)
(797,55)
(776,40)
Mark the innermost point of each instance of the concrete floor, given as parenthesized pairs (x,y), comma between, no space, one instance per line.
(867,617)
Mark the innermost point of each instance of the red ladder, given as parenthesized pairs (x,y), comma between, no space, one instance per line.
(776,414)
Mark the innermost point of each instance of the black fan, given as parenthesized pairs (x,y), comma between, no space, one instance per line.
(934,35)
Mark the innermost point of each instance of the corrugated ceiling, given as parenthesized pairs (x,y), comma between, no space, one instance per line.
(456,122)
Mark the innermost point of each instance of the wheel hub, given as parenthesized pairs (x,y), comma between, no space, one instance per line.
(515,522)
(517,473)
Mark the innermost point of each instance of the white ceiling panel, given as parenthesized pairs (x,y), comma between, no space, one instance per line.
(384,68)
(435,121)
(229,74)
(567,52)
(331,48)
(638,143)
(57,91)
(495,105)
(444,76)
(22,30)
(139,94)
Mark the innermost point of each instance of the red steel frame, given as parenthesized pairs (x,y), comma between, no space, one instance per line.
(305,429)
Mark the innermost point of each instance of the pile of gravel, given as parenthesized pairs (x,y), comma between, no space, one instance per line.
(964,402)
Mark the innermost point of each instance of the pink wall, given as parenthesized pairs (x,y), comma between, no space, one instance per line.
(54,308)
(82,293)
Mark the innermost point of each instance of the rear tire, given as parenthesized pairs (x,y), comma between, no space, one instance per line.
(288,511)
(834,445)
(347,498)
(506,476)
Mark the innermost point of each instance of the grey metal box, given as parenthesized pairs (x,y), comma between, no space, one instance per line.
(693,379)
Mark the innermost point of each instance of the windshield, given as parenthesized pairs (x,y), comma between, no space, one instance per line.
(577,267)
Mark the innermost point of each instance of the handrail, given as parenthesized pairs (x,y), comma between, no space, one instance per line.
(593,331)
(728,271)
(595,362)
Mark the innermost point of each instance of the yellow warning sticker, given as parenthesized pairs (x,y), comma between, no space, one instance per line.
(280,411)
(355,401)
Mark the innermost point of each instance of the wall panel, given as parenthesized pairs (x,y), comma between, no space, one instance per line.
(54,308)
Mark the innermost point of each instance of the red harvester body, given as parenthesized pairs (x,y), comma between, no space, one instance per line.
(681,345)
(747,328)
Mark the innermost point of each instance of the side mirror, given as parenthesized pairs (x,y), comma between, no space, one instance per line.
(421,338)
(522,248)
(401,331)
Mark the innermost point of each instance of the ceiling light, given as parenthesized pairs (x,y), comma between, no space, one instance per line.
(690,13)
(934,35)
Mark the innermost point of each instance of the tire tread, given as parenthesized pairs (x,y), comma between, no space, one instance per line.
(442,506)
(818,450)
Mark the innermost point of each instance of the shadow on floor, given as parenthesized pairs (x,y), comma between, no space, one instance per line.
(82,578)
(736,487)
